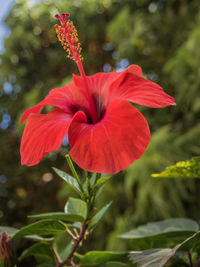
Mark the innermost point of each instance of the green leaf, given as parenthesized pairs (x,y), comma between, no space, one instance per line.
(71,181)
(39,238)
(44,227)
(42,252)
(99,257)
(155,228)
(115,264)
(101,182)
(12,231)
(152,257)
(62,245)
(76,207)
(58,216)
(9,230)
(158,257)
(65,251)
(98,216)
(161,234)
(182,169)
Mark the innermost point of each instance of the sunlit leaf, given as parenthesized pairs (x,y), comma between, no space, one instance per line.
(182,169)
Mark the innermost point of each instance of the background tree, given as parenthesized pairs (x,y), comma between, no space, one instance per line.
(163,37)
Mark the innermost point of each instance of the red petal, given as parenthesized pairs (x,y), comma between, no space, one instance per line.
(134,69)
(113,143)
(136,89)
(127,85)
(99,83)
(43,133)
(63,98)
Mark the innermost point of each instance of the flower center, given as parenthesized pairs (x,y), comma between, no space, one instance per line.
(99,105)
(67,35)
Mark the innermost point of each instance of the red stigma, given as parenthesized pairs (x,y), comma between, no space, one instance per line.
(62,18)
(67,35)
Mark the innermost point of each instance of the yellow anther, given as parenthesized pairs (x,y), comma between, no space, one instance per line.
(67,35)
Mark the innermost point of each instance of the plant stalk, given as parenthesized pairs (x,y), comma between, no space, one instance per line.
(75,174)
(90,199)
(190,258)
(77,244)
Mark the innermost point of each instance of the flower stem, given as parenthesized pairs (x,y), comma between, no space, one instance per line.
(75,174)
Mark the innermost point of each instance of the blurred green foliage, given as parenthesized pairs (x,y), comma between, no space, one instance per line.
(163,37)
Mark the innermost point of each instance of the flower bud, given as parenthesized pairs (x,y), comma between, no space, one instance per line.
(5,249)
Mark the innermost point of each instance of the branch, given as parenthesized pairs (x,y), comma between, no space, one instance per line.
(76,245)
(190,258)
(56,254)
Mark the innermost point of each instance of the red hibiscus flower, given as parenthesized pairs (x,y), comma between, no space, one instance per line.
(106,133)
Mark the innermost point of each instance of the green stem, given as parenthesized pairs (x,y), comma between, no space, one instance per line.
(75,174)
(88,185)
(190,258)
(76,245)
(56,254)
(77,242)
(84,229)
(86,174)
